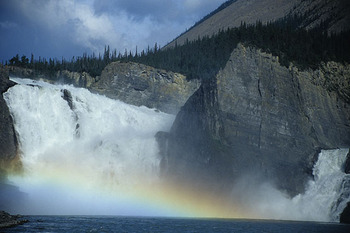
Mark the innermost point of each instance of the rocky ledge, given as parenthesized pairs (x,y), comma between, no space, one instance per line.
(138,84)
(7,220)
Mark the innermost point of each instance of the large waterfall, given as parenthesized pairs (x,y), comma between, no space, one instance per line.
(76,145)
(83,153)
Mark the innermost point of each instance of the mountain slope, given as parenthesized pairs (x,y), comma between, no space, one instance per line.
(335,13)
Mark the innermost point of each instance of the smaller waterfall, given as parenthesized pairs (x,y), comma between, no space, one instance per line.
(328,194)
(324,199)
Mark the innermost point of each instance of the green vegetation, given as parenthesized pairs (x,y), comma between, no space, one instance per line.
(202,58)
(90,64)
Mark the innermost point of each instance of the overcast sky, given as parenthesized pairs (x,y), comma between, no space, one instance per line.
(66,28)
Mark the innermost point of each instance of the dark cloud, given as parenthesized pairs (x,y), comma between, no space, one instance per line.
(65,28)
(157,9)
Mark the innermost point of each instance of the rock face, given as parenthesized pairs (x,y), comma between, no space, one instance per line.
(139,84)
(75,78)
(345,215)
(260,118)
(8,140)
(194,153)
(64,76)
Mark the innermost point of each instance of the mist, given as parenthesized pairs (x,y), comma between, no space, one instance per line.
(321,200)
(100,157)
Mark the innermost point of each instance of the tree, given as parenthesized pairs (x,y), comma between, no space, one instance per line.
(15,61)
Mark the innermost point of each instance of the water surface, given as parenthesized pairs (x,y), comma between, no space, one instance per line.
(157,224)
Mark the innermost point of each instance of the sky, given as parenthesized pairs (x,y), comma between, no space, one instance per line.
(67,28)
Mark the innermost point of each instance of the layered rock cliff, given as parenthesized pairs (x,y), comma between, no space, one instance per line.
(139,84)
(8,139)
(260,118)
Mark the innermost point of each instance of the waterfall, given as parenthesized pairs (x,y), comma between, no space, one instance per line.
(327,195)
(324,199)
(69,136)
(83,153)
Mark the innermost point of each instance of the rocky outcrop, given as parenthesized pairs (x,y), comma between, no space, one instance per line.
(8,139)
(64,76)
(139,84)
(7,220)
(259,118)
(77,79)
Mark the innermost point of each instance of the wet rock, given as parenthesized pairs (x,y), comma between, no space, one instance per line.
(345,215)
(7,220)
(67,96)
(347,164)
(8,139)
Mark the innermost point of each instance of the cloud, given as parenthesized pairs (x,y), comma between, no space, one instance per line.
(77,21)
(89,25)
(8,25)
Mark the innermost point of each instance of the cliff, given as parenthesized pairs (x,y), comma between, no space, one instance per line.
(8,140)
(139,84)
(262,119)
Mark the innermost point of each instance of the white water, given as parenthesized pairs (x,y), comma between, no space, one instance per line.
(112,148)
(88,169)
(322,194)
(318,203)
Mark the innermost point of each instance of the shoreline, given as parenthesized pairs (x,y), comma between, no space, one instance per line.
(7,220)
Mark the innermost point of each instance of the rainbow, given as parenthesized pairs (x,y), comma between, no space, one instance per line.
(108,197)
(109,168)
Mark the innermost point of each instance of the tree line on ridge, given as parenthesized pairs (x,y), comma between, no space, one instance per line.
(202,58)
